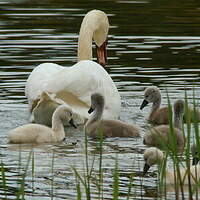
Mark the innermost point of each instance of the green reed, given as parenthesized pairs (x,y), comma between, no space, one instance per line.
(182,159)
(3,177)
(97,179)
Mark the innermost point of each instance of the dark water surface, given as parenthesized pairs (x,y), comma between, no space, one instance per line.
(150,43)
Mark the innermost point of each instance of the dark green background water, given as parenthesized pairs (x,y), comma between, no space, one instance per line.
(150,42)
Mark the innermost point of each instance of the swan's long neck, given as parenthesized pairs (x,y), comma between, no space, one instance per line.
(95,27)
(96,115)
(155,107)
(85,43)
(57,126)
(178,120)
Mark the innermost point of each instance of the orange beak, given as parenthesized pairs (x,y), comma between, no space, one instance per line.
(102,54)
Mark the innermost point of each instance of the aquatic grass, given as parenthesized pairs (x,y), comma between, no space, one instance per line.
(177,160)
(116,181)
(21,190)
(86,178)
(78,189)
(20,194)
(97,179)
(187,149)
(4,182)
(33,172)
(197,141)
(52,179)
(130,185)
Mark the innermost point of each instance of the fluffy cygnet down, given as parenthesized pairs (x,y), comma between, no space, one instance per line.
(154,156)
(161,134)
(157,115)
(37,133)
(109,128)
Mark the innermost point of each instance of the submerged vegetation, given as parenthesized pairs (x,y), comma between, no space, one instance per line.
(91,182)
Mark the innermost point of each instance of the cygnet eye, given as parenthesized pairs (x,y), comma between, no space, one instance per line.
(69,113)
(146,96)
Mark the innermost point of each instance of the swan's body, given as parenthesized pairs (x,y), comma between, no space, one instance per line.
(37,133)
(74,85)
(154,156)
(109,128)
(157,115)
(162,133)
(192,116)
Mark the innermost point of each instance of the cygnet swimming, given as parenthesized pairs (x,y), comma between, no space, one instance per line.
(154,156)
(37,133)
(157,115)
(109,128)
(162,133)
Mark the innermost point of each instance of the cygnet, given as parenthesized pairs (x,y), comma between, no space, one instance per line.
(109,128)
(158,135)
(37,133)
(154,156)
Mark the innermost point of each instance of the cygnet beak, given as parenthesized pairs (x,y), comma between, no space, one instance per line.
(144,142)
(144,103)
(71,122)
(145,169)
(90,110)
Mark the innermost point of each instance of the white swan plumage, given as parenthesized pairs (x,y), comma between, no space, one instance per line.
(75,85)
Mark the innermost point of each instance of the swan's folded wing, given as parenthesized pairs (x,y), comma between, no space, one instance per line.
(38,79)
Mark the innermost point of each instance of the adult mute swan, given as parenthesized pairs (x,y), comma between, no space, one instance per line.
(154,156)
(75,85)
(37,133)
(109,128)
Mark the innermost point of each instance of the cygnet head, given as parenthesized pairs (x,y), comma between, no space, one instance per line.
(195,154)
(65,113)
(151,95)
(152,156)
(97,101)
(179,107)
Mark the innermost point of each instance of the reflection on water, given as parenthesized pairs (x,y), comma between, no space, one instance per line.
(150,42)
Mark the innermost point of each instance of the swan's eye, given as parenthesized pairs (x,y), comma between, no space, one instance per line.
(69,114)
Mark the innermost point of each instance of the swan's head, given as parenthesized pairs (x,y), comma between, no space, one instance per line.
(149,138)
(151,95)
(179,107)
(65,113)
(152,156)
(97,100)
(95,26)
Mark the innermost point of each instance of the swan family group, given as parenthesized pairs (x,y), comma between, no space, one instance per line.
(86,94)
